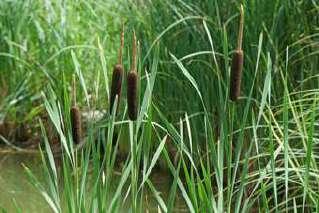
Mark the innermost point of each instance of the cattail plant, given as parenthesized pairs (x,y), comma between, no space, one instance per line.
(237,61)
(117,77)
(75,116)
(132,85)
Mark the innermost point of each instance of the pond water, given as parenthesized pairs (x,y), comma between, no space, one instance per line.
(18,195)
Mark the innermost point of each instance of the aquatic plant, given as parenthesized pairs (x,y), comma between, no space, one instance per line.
(132,79)
(117,76)
(237,61)
(75,115)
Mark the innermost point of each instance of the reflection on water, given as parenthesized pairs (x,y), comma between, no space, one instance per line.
(15,190)
(16,193)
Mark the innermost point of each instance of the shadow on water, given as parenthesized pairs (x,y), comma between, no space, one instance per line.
(18,195)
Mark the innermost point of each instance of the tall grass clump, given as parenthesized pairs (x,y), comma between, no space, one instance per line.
(91,179)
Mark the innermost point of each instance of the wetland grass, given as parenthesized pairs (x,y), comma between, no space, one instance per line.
(275,173)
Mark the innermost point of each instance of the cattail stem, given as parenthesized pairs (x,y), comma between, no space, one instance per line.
(134,59)
(73,97)
(241,29)
(120,56)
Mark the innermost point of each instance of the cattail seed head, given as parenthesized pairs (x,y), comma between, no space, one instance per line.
(117,76)
(132,78)
(75,116)
(132,94)
(76,124)
(237,61)
(116,85)
(236,73)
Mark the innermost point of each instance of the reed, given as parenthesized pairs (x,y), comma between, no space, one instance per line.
(132,79)
(117,76)
(75,116)
(237,62)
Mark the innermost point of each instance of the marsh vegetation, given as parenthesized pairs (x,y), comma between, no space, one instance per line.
(216,99)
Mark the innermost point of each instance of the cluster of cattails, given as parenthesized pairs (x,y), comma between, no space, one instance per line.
(237,62)
(132,79)
(116,87)
(75,116)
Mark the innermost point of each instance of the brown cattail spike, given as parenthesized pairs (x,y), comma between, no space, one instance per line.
(117,77)
(132,78)
(116,85)
(132,94)
(237,62)
(76,124)
(236,73)
(75,116)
